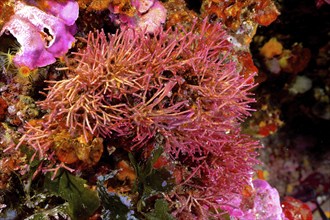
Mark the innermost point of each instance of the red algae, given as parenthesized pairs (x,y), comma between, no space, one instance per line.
(174,86)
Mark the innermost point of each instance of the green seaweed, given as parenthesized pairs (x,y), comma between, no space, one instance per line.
(82,201)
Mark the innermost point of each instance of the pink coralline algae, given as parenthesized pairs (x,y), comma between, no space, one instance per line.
(267,201)
(149,16)
(43,35)
(263,202)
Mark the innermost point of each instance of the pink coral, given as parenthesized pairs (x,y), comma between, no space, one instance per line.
(43,36)
(150,15)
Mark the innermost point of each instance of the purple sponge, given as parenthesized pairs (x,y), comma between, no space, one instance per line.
(43,36)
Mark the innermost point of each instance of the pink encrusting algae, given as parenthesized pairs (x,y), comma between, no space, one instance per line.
(262,202)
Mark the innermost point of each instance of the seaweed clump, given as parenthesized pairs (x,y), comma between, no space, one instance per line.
(177,90)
